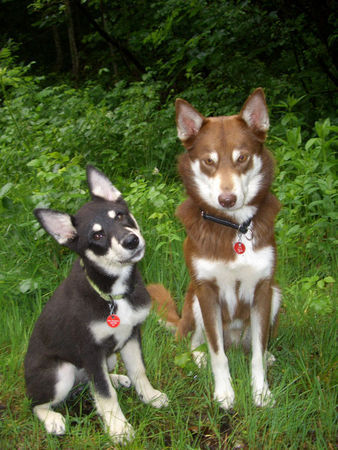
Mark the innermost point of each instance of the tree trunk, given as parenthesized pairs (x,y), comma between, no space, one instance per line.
(58,49)
(72,40)
(110,45)
(125,53)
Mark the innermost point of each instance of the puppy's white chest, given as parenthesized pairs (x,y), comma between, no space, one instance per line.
(128,318)
(246,269)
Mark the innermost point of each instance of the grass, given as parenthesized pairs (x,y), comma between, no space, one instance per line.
(32,172)
(302,379)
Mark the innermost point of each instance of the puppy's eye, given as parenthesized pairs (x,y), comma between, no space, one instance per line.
(119,216)
(98,235)
(242,158)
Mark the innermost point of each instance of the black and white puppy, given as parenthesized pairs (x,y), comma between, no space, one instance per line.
(96,312)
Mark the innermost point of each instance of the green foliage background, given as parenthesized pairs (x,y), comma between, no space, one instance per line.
(119,115)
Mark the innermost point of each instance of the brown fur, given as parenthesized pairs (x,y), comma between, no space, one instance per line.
(215,242)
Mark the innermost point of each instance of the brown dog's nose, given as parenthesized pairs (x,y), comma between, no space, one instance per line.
(227,200)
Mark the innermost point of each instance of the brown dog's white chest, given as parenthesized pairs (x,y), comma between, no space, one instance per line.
(245,271)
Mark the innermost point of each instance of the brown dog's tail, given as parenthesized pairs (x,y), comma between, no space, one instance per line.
(164,305)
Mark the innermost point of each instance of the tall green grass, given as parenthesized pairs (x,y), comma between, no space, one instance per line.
(48,136)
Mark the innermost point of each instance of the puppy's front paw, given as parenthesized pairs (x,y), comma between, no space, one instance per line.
(160,400)
(121,432)
(155,398)
(119,380)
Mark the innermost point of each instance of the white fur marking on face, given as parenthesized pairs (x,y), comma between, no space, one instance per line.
(252,179)
(208,187)
(245,187)
(214,157)
(243,214)
(112,214)
(131,215)
(113,268)
(117,256)
(97,227)
(235,154)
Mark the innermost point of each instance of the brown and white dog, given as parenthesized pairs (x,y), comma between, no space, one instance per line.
(230,247)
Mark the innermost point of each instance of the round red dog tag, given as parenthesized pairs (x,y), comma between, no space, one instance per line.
(113,321)
(239,247)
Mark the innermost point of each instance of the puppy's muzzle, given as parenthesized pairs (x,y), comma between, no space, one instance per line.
(131,242)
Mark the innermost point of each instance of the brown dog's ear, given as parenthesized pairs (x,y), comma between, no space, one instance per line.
(188,120)
(255,114)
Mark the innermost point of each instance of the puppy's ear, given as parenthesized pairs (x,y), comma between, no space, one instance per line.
(58,225)
(100,186)
(255,114)
(188,120)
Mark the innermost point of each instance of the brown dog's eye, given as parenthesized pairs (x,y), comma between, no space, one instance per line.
(209,161)
(242,158)
(98,235)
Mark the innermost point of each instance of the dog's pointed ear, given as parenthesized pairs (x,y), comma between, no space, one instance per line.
(188,120)
(255,114)
(59,225)
(100,186)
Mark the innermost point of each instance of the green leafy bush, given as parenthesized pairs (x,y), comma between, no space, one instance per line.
(49,134)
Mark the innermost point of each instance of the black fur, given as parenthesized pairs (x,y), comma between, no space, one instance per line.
(63,332)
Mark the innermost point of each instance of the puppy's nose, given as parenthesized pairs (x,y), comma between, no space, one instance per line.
(131,242)
(227,200)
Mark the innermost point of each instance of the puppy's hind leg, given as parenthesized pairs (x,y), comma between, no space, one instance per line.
(55,422)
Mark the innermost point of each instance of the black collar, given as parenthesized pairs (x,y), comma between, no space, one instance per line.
(242,228)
